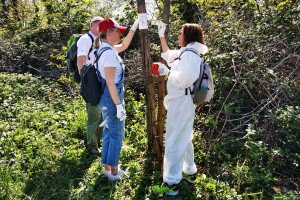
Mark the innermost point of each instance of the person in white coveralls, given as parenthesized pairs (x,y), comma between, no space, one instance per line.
(184,70)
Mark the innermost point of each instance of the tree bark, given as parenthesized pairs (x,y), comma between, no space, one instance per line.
(161,88)
(149,81)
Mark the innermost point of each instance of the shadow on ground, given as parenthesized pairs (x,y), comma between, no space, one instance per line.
(57,184)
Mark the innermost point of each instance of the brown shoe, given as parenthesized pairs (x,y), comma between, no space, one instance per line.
(94,151)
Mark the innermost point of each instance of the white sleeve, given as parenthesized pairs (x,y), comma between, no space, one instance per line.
(188,71)
(170,55)
(110,59)
(83,45)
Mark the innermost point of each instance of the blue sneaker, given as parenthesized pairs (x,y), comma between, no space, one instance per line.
(173,190)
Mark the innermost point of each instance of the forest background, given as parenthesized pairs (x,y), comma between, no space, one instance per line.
(247,139)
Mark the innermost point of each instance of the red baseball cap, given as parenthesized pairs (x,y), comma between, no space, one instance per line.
(109,23)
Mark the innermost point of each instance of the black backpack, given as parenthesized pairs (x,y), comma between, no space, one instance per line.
(72,55)
(91,87)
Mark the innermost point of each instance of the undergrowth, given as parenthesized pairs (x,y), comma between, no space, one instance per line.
(43,154)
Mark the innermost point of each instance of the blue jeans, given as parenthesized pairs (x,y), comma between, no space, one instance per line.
(114,129)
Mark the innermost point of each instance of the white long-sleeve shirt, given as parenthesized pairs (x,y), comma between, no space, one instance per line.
(184,71)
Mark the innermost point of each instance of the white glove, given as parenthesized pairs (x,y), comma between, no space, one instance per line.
(161,29)
(163,69)
(121,113)
(135,25)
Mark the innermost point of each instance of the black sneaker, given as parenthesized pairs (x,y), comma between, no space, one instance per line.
(189,178)
(173,190)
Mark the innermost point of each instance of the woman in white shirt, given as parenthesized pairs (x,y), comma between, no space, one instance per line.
(185,69)
(112,106)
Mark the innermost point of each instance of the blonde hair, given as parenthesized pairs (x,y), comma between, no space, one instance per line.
(99,39)
(97,42)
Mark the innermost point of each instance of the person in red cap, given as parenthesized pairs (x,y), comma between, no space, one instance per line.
(112,105)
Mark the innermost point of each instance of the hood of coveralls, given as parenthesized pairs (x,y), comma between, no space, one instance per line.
(201,48)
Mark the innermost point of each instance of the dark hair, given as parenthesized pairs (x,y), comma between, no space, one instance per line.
(192,33)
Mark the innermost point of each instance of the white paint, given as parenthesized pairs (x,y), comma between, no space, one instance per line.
(143,24)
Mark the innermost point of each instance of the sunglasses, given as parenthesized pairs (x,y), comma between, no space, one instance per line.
(114,29)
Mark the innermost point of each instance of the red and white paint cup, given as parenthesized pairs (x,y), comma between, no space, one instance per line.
(155,68)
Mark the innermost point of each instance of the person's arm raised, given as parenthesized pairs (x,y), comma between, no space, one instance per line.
(126,42)
(161,32)
(164,44)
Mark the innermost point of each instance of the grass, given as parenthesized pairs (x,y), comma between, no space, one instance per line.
(43,155)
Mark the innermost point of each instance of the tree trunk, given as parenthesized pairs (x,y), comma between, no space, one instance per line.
(161,88)
(149,81)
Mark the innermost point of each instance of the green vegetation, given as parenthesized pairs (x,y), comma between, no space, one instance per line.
(43,154)
(247,140)
(42,143)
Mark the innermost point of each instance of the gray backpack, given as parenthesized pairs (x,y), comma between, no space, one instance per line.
(204,86)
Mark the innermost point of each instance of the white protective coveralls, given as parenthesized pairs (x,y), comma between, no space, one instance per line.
(179,150)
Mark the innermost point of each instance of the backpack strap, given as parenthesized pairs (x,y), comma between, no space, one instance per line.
(202,63)
(187,49)
(99,55)
(204,76)
(91,45)
(96,61)
(201,56)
